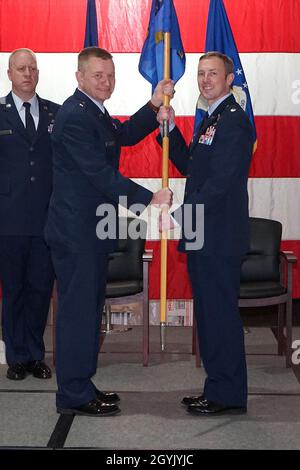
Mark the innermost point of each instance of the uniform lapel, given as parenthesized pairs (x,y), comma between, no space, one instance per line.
(13,117)
(109,121)
(45,118)
(103,118)
(209,121)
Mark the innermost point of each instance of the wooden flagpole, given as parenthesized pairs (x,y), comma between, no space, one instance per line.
(165,184)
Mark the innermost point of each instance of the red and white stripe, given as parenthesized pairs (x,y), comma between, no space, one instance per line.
(268,39)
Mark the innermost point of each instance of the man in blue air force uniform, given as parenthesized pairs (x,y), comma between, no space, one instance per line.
(216,166)
(87,143)
(26,271)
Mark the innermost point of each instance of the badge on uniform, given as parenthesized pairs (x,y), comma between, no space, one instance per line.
(50,127)
(208,137)
(6,132)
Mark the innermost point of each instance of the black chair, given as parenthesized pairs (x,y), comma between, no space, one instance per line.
(128,274)
(128,277)
(267,279)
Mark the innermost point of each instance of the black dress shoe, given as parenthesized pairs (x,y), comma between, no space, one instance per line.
(16,371)
(210,408)
(192,399)
(39,369)
(107,397)
(92,408)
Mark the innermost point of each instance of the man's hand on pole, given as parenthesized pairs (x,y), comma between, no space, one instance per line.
(162,198)
(166,222)
(166,113)
(163,88)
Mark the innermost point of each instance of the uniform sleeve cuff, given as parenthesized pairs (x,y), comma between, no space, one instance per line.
(153,107)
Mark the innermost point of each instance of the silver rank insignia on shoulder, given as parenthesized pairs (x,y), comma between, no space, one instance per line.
(232,110)
(8,105)
(81,104)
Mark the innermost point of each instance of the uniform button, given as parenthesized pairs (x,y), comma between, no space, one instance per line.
(32,162)
(31,149)
(32,178)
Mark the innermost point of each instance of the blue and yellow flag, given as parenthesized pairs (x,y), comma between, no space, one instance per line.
(219,38)
(91,29)
(163,19)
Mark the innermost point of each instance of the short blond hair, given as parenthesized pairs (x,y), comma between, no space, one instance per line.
(92,51)
(16,51)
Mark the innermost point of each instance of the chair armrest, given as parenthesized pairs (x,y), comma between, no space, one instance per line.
(287,259)
(288,256)
(148,256)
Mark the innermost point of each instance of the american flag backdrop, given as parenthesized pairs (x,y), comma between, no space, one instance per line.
(267,36)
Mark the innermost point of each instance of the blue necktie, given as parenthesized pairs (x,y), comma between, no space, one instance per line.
(206,117)
(29,122)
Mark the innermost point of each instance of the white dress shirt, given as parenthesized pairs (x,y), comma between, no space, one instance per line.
(34,108)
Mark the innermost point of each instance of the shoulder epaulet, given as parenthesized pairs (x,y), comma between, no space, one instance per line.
(232,108)
(44,103)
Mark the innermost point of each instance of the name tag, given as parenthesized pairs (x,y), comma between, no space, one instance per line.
(110,143)
(6,132)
